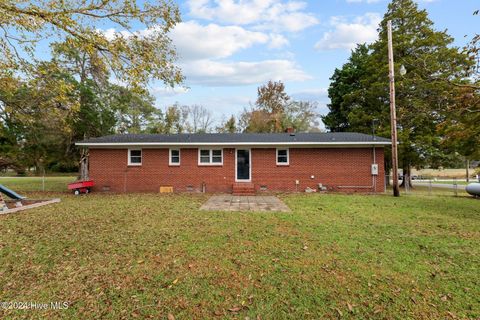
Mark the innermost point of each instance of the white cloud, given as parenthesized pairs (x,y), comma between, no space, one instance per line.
(225,103)
(313,94)
(207,55)
(277,15)
(217,73)
(111,33)
(363,1)
(289,22)
(278,41)
(203,50)
(165,91)
(347,34)
(195,41)
(231,11)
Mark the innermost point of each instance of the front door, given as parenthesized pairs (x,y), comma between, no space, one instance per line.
(243,165)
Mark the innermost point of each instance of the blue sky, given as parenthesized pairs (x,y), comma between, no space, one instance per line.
(230,47)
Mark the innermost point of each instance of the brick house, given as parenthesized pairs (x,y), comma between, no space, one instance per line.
(239,163)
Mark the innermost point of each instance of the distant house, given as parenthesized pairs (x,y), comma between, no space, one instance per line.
(238,163)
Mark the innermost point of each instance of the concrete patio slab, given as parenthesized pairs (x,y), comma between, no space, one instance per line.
(244,203)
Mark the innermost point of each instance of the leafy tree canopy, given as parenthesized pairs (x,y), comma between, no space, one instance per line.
(360,92)
(133,57)
(274,111)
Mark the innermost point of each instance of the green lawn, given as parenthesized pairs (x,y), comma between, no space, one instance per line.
(333,256)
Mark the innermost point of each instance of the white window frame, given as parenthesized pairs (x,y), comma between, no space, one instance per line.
(170,163)
(250,166)
(288,157)
(210,153)
(130,163)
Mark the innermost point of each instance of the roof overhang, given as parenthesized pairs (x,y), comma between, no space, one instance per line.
(231,144)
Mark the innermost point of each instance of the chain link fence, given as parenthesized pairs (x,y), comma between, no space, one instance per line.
(32,184)
(431,185)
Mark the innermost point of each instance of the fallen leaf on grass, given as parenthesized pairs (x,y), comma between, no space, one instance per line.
(350,307)
(174,282)
(378,310)
(170,317)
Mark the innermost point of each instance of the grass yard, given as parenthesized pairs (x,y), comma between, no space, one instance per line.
(333,256)
(449,173)
(450,182)
(22,184)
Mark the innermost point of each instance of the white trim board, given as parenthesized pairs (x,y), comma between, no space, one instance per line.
(129,157)
(288,157)
(173,164)
(211,163)
(249,165)
(233,144)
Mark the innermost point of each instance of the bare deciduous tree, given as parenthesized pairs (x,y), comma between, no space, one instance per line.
(200,119)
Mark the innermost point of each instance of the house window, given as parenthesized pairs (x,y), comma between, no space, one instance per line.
(282,157)
(205,156)
(174,157)
(217,156)
(210,157)
(134,157)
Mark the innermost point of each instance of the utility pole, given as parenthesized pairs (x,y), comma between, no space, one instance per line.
(393,113)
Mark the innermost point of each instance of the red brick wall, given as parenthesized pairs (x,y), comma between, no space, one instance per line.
(333,168)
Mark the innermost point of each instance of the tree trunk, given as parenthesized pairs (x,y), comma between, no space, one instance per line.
(387,172)
(468,170)
(84,162)
(407,177)
(84,165)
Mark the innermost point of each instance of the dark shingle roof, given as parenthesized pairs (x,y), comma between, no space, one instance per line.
(236,138)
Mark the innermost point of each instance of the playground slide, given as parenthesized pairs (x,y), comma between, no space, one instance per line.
(10,193)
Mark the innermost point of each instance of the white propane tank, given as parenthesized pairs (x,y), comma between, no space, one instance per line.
(473,189)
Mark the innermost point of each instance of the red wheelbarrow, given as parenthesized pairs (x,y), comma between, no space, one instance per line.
(81,186)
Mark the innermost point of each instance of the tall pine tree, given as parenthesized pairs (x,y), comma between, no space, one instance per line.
(345,81)
(423,93)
